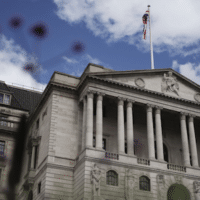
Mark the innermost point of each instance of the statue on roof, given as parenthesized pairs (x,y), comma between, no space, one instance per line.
(170,83)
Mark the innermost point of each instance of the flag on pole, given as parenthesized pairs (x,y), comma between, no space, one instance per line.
(144,20)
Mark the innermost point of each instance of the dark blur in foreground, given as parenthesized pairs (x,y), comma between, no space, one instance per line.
(18,156)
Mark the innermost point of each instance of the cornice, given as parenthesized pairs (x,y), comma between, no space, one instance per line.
(142,90)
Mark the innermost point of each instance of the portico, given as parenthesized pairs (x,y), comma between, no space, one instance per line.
(153,111)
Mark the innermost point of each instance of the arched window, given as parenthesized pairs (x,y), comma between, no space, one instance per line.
(144,183)
(165,152)
(112,178)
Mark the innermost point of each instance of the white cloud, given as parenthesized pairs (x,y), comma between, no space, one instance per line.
(12,59)
(189,70)
(72,61)
(174,22)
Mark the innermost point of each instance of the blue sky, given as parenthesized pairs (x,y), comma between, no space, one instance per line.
(109,32)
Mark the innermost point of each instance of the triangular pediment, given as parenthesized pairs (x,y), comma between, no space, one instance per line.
(163,81)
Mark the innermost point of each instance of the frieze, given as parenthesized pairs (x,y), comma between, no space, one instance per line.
(140,82)
(160,179)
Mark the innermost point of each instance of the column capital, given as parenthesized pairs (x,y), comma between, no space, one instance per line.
(130,101)
(90,92)
(158,107)
(129,104)
(183,114)
(191,115)
(150,105)
(121,99)
(100,93)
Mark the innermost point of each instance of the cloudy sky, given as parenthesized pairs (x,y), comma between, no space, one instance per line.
(40,37)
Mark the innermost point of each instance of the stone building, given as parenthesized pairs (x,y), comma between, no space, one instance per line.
(14,101)
(114,135)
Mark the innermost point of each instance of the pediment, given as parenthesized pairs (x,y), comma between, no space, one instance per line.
(167,81)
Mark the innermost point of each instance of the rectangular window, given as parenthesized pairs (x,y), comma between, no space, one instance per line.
(0,173)
(7,99)
(37,124)
(44,113)
(39,187)
(2,148)
(1,98)
(104,143)
(3,123)
(35,159)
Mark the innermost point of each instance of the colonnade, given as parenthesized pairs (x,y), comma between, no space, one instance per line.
(87,128)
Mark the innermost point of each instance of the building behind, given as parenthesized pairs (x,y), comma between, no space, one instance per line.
(107,135)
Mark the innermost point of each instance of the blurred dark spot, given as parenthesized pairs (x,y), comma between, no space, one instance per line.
(77,47)
(30,67)
(39,30)
(16,22)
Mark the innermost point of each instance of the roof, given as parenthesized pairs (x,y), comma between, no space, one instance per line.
(22,98)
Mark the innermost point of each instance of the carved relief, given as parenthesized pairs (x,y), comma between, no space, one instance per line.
(140,82)
(129,184)
(197,97)
(170,84)
(95,180)
(160,185)
(178,179)
(196,185)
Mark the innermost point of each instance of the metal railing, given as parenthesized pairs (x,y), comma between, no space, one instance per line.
(176,167)
(24,86)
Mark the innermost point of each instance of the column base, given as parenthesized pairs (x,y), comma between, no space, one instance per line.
(99,148)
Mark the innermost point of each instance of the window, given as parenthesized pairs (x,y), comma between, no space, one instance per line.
(103,143)
(112,178)
(2,147)
(144,183)
(37,124)
(0,173)
(30,196)
(5,98)
(39,187)
(35,159)
(3,123)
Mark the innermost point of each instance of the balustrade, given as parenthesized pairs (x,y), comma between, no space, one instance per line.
(143,161)
(176,167)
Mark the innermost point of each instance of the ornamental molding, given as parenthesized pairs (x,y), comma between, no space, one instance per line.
(140,82)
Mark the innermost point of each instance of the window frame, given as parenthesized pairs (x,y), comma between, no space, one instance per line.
(116,182)
(4,99)
(148,181)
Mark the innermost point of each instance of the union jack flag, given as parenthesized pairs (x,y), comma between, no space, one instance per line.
(144,20)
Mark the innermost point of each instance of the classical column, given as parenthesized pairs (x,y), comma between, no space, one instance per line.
(120,125)
(184,137)
(159,139)
(150,133)
(130,131)
(33,157)
(89,121)
(99,121)
(193,146)
(84,122)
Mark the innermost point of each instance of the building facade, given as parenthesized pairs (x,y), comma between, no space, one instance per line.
(114,135)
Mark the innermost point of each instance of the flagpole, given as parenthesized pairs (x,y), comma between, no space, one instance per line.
(151,46)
